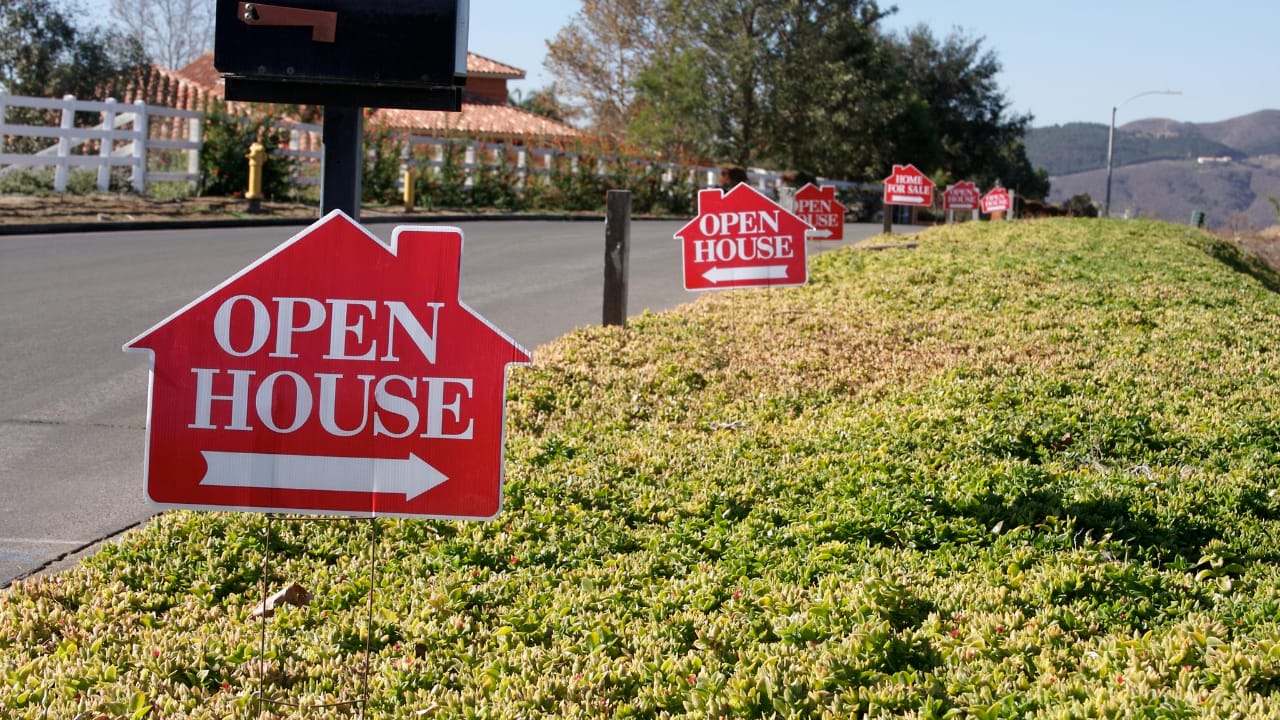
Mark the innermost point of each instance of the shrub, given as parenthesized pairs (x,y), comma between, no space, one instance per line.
(224,169)
(27,181)
(380,172)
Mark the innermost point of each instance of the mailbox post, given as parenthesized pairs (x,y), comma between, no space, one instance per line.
(344,55)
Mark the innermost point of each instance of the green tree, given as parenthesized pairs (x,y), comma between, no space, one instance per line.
(805,85)
(671,116)
(598,55)
(735,34)
(544,102)
(833,90)
(1080,205)
(957,118)
(44,54)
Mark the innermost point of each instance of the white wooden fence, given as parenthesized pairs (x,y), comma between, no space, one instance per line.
(143,138)
(125,135)
(431,154)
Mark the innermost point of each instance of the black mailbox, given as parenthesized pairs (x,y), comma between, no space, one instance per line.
(356,53)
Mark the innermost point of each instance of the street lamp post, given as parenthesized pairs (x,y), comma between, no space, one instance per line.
(1111,141)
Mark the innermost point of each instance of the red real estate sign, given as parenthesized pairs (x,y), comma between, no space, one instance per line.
(818,207)
(334,375)
(908,186)
(742,239)
(961,196)
(995,201)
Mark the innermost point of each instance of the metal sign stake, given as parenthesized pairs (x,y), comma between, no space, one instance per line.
(363,702)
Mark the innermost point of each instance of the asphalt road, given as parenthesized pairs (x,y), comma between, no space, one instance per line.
(73,405)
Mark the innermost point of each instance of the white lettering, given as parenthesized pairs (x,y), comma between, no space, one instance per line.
(285,327)
(426,343)
(436,408)
(239,399)
(222,325)
(396,405)
(265,401)
(341,327)
(329,402)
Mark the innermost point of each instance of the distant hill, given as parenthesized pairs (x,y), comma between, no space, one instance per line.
(1076,147)
(1167,169)
(1229,193)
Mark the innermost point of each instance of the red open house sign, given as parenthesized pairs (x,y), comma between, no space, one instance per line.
(817,206)
(961,196)
(334,375)
(742,239)
(996,201)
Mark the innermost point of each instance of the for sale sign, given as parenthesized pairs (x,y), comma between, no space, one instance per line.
(908,186)
(742,239)
(334,375)
(818,207)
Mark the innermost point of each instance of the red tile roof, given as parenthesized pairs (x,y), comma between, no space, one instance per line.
(481,66)
(202,72)
(479,116)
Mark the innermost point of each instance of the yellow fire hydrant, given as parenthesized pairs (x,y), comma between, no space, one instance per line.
(257,158)
(408,178)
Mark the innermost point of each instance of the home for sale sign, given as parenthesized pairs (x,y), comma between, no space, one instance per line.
(908,186)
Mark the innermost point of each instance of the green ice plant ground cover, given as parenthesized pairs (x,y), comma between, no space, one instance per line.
(1025,470)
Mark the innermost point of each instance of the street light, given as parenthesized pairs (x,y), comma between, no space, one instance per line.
(1111,139)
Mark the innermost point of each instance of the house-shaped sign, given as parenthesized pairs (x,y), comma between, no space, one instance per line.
(817,206)
(996,201)
(961,196)
(908,186)
(742,239)
(334,375)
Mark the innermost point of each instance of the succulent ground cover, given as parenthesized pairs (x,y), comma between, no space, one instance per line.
(1024,470)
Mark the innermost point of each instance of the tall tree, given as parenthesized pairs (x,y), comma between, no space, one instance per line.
(174,32)
(961,121)
(735,37)
(801,84)
(43,53)
(598,55)
(671,116)
(834,90)
(542,101)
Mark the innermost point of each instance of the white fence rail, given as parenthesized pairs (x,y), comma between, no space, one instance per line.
(125,135)
(434,154)
(143,138)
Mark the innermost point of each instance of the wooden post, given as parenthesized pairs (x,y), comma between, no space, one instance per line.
(888,218)
(617,251)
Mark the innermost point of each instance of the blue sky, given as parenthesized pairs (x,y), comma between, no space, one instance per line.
(1063,61)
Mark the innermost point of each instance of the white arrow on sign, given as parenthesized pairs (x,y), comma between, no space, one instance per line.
(761,272)
(817,233)
(409,476)
(906,200)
